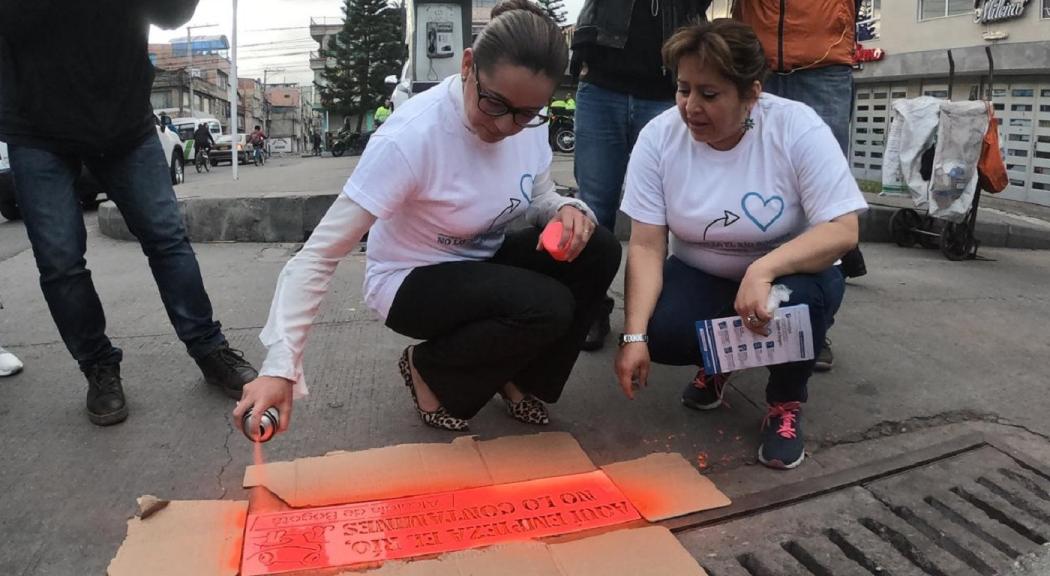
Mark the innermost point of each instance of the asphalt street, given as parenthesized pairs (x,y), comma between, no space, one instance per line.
(921,344)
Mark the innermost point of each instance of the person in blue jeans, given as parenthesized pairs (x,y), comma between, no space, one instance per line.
(809,48)
(623,85)
(86,100)
(753,193)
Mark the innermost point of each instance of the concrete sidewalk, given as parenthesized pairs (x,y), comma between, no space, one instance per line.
(925,348)
(283,201)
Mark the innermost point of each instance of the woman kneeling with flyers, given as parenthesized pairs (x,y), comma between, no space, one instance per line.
(754,192)
(437,187)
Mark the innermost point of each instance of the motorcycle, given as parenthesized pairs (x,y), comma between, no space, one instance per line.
(352,142)
(562,131)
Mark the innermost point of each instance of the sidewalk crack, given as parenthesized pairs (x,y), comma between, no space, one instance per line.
(229,456)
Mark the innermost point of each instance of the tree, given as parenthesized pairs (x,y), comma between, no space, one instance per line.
(555,9)
(369,48)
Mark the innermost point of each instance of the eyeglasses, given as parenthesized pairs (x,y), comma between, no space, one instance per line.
(494,106)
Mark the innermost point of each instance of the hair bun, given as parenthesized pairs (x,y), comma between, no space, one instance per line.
(510,5)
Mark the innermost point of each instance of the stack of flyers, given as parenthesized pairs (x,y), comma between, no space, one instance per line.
(727,345)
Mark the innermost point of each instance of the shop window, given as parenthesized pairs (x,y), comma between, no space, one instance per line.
(875,166)
(1022,92)
(858,165)
(1020,138)
(863,96)
(1022,107)
(940,8)
(935,93)
(879,95)
(1016,152)
(896,95)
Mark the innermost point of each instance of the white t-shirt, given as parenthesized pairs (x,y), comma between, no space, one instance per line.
(440,193)
(726,209)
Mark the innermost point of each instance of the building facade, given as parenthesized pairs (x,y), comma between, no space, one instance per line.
(251,109)
(200,88)
(906,45)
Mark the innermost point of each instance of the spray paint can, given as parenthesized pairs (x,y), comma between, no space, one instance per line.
(267,425)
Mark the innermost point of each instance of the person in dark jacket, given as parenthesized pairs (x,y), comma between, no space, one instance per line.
(86,99)
(202,139)
(623,85)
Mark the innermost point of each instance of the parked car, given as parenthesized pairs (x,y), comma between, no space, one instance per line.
(86,186)
(221,151)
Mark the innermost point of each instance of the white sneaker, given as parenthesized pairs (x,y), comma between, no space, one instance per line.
(9,363)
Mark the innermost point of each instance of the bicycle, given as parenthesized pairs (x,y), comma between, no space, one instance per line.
(258,158)
(201,160)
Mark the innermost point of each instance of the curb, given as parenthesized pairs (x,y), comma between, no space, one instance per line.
(293,218)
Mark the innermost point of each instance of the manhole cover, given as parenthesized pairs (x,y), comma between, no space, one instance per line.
(971,507)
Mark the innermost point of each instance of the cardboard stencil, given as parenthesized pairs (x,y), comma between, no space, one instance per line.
(383,530)
(648,551)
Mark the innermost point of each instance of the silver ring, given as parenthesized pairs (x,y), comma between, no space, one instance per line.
(753,320)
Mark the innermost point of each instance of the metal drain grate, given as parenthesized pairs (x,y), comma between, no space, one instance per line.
(972,511)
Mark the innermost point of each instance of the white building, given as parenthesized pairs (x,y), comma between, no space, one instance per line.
(910,53)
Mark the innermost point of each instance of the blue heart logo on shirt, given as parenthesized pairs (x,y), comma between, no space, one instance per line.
(761,211)
(525,185)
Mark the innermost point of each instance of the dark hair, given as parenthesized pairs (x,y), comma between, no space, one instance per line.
(729,46)
(257,127)
(522,34)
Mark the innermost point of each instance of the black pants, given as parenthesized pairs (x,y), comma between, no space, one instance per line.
(519,317)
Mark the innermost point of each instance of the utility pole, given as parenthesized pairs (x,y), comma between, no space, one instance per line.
(234,136)
(189,66)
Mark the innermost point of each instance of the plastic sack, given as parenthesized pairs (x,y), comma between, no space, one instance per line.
(960,136)
(892,177)
(913,129)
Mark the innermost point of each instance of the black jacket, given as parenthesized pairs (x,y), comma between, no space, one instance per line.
(619,42)
(75,76)
(606,22)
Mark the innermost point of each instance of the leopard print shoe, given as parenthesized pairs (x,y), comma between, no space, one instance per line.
(438,418)
(529,410)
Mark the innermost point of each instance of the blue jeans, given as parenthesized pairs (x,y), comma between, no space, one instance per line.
(690,294)
(827,90)
(139,182)
(607,125)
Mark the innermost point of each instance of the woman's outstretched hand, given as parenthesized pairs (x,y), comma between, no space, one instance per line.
(262,393)
(632,367)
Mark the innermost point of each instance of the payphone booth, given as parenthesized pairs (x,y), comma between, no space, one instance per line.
(440,30)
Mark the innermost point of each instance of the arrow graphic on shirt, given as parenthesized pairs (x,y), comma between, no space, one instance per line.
(728,220)
(514,203)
